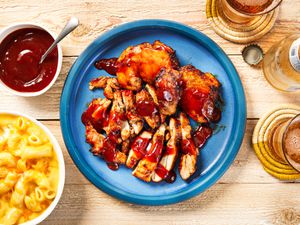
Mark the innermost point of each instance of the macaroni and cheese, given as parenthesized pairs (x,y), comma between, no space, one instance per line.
(29,170)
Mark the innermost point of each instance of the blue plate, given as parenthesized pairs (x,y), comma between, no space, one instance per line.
(192,47)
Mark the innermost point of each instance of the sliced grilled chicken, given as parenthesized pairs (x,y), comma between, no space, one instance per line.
(125,146)
(109,84)
(152,92)
(104,147)
(188,160)
(94,139)
(146,166)
(97,114)
(118,125)
(170,154)
(167,91)
(139,148)
(135,121)
(146,108)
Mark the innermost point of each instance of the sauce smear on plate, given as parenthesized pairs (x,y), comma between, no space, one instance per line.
(20,53)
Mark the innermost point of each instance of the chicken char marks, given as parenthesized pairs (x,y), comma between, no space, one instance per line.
(200,95)
(140,63)
(109,84)
(146,107)
(95,119)
(189,152)
(164,169)
(168,91)
(148,163)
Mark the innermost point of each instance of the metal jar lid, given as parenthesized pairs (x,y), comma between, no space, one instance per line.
(252,54)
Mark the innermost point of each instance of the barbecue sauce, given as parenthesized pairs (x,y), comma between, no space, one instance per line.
(192,100)
(146,108)
(188,147)
(95,115)
(164,174)
(210,111)
(156,150)
(20,53)
(109,65)
(139,146)
(170,150)
(201,135)
(109,153)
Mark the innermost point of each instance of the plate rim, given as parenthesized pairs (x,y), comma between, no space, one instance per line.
(232,149)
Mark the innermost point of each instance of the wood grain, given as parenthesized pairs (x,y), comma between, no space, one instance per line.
(99,16)
(223,204)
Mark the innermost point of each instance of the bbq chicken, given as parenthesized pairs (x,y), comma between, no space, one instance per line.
(110,85)
(189,152)
(169,157)
(200,95)
(143,120)
(168,91)
(148,163)
(147,108)
(138,148)
(141,63)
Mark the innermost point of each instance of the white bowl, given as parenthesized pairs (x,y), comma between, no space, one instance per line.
(17,26)
(61,164)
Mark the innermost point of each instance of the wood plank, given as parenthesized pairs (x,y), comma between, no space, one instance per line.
(99,16)
(245,169)
(223,204)
(257,91)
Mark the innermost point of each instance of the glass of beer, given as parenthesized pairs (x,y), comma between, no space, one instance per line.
(284,141)
(243,11)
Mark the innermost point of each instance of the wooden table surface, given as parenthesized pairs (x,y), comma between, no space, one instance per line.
(246,194)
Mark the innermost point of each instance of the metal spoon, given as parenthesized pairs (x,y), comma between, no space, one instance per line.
(69,27)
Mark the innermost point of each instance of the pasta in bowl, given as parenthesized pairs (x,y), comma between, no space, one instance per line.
(32,170)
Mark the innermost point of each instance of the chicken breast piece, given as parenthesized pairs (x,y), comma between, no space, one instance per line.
(188,160)
(146,108)
(168,91)
(200,95)
(135,121)
(143,62)
(139,148)
(118,125)
(97,114)
(109,84)
(168,160)
(94,139)
(146,166)
(104,147)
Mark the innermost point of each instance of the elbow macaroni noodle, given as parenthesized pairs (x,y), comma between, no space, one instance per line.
(29,170)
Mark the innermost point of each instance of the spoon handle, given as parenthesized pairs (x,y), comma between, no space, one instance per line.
(69,27)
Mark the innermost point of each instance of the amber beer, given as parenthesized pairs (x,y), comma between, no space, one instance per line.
(250,6)
(284,141)
(291,143)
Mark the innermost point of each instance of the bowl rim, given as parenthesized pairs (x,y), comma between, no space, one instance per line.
(61,163)
(21,25)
